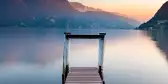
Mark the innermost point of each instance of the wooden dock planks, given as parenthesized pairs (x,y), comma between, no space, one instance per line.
(83,75)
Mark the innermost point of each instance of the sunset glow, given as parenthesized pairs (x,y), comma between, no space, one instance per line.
(142,10)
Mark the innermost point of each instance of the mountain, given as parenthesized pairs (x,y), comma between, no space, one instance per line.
(12,11)
(49,7)
(82,8)
(59,14)
(127,19)
(160,19)
(116,17)
(162,13)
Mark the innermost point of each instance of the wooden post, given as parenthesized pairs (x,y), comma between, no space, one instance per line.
(101,53)
(101,48)
(65,58)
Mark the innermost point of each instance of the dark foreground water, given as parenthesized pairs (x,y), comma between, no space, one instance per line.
(34,56)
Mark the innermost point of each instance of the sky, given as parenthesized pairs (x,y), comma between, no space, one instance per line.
(141,10)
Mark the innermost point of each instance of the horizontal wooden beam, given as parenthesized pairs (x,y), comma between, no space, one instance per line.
(100,36)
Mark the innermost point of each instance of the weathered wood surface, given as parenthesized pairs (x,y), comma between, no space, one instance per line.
(83,75)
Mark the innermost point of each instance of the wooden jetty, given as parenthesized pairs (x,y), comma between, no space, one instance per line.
(83,75)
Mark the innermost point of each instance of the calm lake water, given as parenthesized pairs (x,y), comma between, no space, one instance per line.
(34,56)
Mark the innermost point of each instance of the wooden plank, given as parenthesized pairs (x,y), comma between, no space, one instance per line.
(83,79)
(90,68)
(83,74)
(83,69)
(83,83)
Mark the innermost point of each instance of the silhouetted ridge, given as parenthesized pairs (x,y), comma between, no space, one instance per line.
(162,13)
(158,20)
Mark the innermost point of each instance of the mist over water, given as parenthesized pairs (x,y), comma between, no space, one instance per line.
(34,56)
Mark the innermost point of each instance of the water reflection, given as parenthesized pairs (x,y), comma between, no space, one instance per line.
(30,45)
(34,56)
(161,38)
